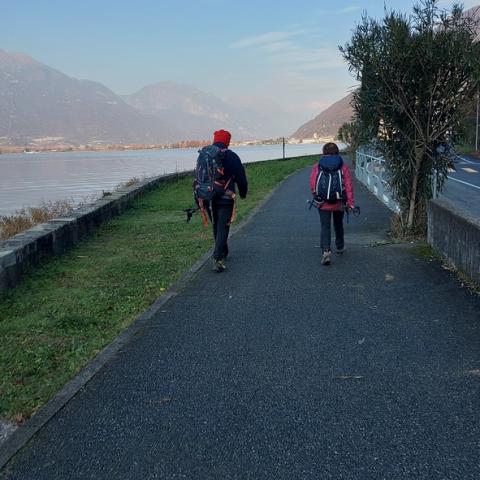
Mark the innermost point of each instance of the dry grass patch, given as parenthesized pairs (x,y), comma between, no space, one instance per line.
(29,217)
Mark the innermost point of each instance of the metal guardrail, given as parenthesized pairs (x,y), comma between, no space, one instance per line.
(370,170)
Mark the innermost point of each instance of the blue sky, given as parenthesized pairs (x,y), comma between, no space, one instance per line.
(286,52)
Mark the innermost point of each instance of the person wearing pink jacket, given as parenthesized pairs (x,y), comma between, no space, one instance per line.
(332,190)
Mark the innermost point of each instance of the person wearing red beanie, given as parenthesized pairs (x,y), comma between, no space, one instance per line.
(223,206)
(222,136)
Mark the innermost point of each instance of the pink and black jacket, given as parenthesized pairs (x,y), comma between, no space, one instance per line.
(347,183)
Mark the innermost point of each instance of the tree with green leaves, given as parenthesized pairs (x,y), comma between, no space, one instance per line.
(348,133)
(416,72)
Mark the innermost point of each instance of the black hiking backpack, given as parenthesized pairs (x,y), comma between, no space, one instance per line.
(329,182)
(209,181)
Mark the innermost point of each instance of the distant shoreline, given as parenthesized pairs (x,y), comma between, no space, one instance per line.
(97,148)
(133,147)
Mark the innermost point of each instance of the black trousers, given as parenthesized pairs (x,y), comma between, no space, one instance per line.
(326,232)
(222,214)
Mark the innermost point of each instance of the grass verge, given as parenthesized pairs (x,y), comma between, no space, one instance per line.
(465,149)
(69,308)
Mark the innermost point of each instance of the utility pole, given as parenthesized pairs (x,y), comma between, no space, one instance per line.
(283,139)
(476,126)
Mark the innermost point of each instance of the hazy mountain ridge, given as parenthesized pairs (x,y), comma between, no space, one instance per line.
(40,106)
(328,122)
(200,113)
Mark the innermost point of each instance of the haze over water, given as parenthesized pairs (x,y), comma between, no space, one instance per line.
(27,180)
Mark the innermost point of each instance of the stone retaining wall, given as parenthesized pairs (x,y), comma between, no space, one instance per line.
(456,236)
(23,251)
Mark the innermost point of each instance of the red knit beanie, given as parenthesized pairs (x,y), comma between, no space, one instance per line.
(222,136)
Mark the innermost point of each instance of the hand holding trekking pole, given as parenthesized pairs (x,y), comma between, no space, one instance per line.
(355,211)
(314,202)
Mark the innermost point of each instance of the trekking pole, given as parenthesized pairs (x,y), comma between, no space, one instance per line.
(355,211)
(190,211)
(234,209)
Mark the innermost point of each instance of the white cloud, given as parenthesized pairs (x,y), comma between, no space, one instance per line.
(265,39)
(277,47)
(350,9)
(301,70)
(289,50)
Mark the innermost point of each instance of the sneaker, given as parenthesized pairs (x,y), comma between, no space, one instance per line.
(326,258)
(340,251)
(219,265)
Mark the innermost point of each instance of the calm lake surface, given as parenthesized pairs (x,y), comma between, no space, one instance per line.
(27,180)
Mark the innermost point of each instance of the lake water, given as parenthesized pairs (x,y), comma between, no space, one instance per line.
(27,180)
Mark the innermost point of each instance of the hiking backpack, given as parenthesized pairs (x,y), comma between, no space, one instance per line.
(209,172)
(329,181)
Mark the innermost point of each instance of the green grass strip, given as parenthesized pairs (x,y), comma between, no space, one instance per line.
(69,308)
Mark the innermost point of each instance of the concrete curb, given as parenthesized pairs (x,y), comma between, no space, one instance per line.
(455,234)
(22,252)
(20,437)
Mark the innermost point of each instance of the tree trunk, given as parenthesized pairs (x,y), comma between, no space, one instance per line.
(419,152)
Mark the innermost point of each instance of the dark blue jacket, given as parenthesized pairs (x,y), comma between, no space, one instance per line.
(233,169)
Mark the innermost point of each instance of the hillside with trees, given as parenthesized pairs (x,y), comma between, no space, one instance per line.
(328,122)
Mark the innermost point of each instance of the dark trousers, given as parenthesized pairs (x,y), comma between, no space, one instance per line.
(222,214)
(326,234)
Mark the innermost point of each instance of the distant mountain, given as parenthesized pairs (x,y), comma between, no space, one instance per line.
(474,14)
(201,113)
(41,105)
(327,123)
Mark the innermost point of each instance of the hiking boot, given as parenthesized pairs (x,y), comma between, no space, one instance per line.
(219,265)
(326,258)
(340,251)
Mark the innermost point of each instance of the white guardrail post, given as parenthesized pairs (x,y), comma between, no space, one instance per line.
(370,170)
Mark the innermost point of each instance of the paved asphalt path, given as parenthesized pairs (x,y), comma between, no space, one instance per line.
(280,368)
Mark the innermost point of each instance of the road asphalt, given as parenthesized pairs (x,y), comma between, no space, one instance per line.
(280,368)
(462,187)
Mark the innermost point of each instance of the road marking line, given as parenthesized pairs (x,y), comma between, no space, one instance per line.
(469,170)
(465,183)
(466,160)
